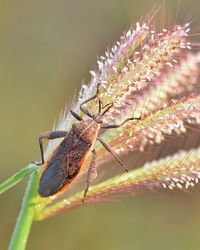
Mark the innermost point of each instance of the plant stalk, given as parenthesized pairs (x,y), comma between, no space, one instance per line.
(16,178)
(25,217)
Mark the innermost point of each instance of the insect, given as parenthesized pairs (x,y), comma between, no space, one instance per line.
(65,162)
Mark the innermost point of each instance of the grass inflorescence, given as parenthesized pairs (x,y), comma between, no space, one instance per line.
(152,75)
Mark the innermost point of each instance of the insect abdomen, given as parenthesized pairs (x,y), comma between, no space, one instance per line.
(52,179)
(64,165)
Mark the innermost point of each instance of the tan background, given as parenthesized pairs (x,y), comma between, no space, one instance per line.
(46,49)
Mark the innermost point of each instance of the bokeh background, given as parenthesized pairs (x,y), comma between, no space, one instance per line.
(47,49)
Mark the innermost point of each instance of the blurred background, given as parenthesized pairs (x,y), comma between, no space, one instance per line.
(47,49)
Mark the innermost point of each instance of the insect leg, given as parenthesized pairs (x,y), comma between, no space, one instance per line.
(112,153)
(121,124)
(91,174)
(84,110)
(51,135)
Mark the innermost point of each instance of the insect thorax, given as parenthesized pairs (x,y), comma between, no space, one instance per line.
(87,130)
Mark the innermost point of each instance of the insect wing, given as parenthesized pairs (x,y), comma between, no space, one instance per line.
(53,178)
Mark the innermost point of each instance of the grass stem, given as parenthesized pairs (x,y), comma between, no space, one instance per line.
(25,218)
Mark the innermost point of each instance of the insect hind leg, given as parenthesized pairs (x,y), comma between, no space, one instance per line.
(91,174)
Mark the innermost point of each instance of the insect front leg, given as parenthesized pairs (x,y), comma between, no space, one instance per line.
(51,135)
(121,124)
(92,173)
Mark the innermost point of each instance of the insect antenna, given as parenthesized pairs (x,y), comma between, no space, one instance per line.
(76,115)
(109,106)
(84,110)
(101,107)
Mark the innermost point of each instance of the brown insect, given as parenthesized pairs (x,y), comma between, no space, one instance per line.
(65,162)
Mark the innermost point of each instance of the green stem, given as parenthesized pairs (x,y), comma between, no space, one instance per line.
(16,178)
(25,218)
